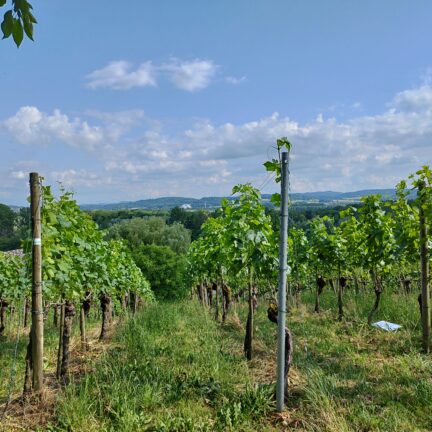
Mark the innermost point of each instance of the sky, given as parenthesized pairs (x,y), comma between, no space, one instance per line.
(142,99)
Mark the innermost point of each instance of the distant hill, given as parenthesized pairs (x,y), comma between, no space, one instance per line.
(166,203)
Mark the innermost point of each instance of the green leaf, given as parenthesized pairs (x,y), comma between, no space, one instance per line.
(17,32)
(283,142)
(2,3)
(275,199)
(272,166)
(28,28)
(32,18)
(7,24)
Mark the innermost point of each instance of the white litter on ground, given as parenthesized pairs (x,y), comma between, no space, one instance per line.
(385,325)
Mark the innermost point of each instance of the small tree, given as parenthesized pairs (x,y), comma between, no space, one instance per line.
(329,251)
(379,241)
(249,241)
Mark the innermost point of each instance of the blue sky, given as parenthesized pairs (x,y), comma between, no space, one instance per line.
(146,99)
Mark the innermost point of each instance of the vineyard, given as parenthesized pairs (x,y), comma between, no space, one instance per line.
(206,358)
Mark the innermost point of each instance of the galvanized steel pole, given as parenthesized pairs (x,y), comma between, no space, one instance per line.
(424,267)
(283,248)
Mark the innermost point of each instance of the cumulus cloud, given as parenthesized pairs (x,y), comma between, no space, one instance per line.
(120,75)
(363,152)
(31,126)
(414,100)
(147,159)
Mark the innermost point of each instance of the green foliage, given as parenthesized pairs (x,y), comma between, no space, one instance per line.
(405,216)
(377,227)
(299,254)
(107,218)
(18,20)
(7,220)
(329,249)
(422,182)
(274,166)
(9,238)
(137,232)
(249,238)
(13,277)
(237,245)
(192,220)
(164,269)
(77,259)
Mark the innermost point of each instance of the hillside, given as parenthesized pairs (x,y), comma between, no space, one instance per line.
(324,197)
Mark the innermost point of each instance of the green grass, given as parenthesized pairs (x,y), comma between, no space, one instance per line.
(173,368)
(8,343)
(349,376)
(7,352)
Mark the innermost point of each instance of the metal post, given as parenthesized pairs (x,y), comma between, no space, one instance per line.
(36,306)
(283,246)
(424,267)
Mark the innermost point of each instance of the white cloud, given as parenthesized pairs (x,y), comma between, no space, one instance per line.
(235,80)
(146,159)
(414,100)
(190,75)
(31,126)
(20,175)
(120,75)
(363,152)
(71,178)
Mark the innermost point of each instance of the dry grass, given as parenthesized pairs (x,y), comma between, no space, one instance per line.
(36,411)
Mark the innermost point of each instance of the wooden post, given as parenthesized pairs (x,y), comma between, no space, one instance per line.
(60,343)
(424,268)
(36,308)
(84,345)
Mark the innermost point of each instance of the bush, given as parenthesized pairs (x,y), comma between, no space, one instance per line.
(155,231)
(164,269)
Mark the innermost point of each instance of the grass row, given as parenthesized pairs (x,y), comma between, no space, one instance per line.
(173,368)
(176,369)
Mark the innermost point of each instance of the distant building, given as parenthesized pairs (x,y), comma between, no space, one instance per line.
(186,206)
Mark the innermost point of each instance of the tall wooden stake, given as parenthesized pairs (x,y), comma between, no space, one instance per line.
(424,267)
(283,256)
(36,307)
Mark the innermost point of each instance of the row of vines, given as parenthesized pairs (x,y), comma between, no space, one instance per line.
(80,269)
(372,246)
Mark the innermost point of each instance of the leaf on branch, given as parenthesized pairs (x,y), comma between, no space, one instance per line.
(28,28)
(283,142)
(17,32)
(7,24)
